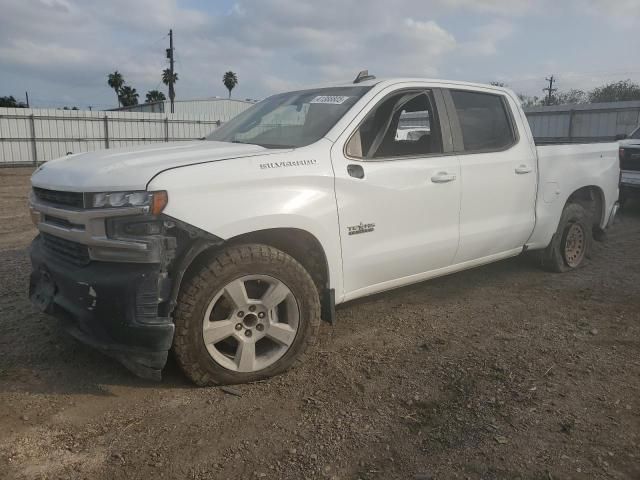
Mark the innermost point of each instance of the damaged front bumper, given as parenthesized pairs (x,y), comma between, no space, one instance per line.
(112,274)
(112,306)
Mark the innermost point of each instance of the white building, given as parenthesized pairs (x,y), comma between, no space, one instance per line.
(222,109)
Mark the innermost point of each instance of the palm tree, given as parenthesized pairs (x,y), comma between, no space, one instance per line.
(155,96)
(167,79)
(230,80)
(128,96)
(116,81)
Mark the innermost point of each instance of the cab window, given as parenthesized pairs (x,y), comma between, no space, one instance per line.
(402,125)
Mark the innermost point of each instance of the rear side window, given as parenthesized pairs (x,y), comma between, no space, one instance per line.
(484,121)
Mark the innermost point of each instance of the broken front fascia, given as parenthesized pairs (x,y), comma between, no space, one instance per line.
(118,299)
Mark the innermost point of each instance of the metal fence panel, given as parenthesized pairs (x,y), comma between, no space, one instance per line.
(31,136)
(598,121)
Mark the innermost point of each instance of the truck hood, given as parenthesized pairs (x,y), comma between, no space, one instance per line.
(132,168)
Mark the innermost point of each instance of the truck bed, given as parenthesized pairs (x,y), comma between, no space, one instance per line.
(565,168)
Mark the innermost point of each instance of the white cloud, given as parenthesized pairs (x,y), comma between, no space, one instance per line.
(623,13)
(268,41)
(66,48)
(488,38)
(500,7)
(40,54)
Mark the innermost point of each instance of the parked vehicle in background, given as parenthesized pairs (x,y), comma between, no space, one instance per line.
(412,126)
(630,166)
(231,250)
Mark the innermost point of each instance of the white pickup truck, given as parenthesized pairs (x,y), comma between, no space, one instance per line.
(232,249)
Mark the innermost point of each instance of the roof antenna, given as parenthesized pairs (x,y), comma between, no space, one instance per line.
(364,75)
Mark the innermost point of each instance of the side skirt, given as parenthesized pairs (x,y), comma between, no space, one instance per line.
(420,277)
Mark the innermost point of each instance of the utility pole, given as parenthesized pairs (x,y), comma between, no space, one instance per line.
(550,89)
(26,94)
(172,93)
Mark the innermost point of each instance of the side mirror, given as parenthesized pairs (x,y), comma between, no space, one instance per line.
(620,136)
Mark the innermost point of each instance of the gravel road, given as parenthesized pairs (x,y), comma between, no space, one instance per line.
(501,372)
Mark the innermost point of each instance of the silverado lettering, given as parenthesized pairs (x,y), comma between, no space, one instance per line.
(295,163)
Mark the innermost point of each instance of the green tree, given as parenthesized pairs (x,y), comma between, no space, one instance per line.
(230,80)
(11,102)
(615,92)
(128,96)
(528,101)
(167,80)
(155,96)
(116,81)
(572,97)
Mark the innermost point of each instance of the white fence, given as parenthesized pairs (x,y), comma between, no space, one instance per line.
(32,136)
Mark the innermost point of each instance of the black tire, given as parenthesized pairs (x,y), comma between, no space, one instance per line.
(198,291)
(554,257)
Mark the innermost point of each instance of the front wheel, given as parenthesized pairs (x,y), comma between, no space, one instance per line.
(572,241)
(248,314)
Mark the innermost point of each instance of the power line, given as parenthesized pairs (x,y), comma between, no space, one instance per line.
(550,89)
(571,75)
(172,92)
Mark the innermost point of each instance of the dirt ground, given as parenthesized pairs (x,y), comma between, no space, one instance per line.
(502,372)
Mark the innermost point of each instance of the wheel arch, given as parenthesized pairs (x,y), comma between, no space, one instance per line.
(300,244)
(591,197)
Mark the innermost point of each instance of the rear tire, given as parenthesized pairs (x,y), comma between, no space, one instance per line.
(273,319)
(572,242)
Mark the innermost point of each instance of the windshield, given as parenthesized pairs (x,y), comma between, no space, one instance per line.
(292,119)
(635,134)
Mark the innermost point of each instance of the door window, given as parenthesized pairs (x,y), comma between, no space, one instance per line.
(402,125)
(484,121)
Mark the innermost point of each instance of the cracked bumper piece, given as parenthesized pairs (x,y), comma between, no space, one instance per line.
(110,306)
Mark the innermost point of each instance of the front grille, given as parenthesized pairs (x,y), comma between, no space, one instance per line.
(59,198)
(72,252)
(630,160)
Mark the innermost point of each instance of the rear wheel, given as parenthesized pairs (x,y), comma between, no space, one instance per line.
(572,241)
(250,313)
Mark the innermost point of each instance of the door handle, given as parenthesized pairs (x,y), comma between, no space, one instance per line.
(443,177)
(355,171)
(522,169)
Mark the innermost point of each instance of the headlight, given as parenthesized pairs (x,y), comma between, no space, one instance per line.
(156,201)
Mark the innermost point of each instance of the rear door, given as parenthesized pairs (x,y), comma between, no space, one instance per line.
(498,173)
(397,190)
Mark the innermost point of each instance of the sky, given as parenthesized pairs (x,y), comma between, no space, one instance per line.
(61,51)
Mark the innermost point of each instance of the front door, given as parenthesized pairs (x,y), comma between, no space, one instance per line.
(398,193)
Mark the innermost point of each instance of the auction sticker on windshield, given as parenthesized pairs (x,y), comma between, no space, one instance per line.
(330,99)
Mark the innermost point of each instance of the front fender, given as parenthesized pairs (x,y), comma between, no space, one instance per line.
(239,196)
